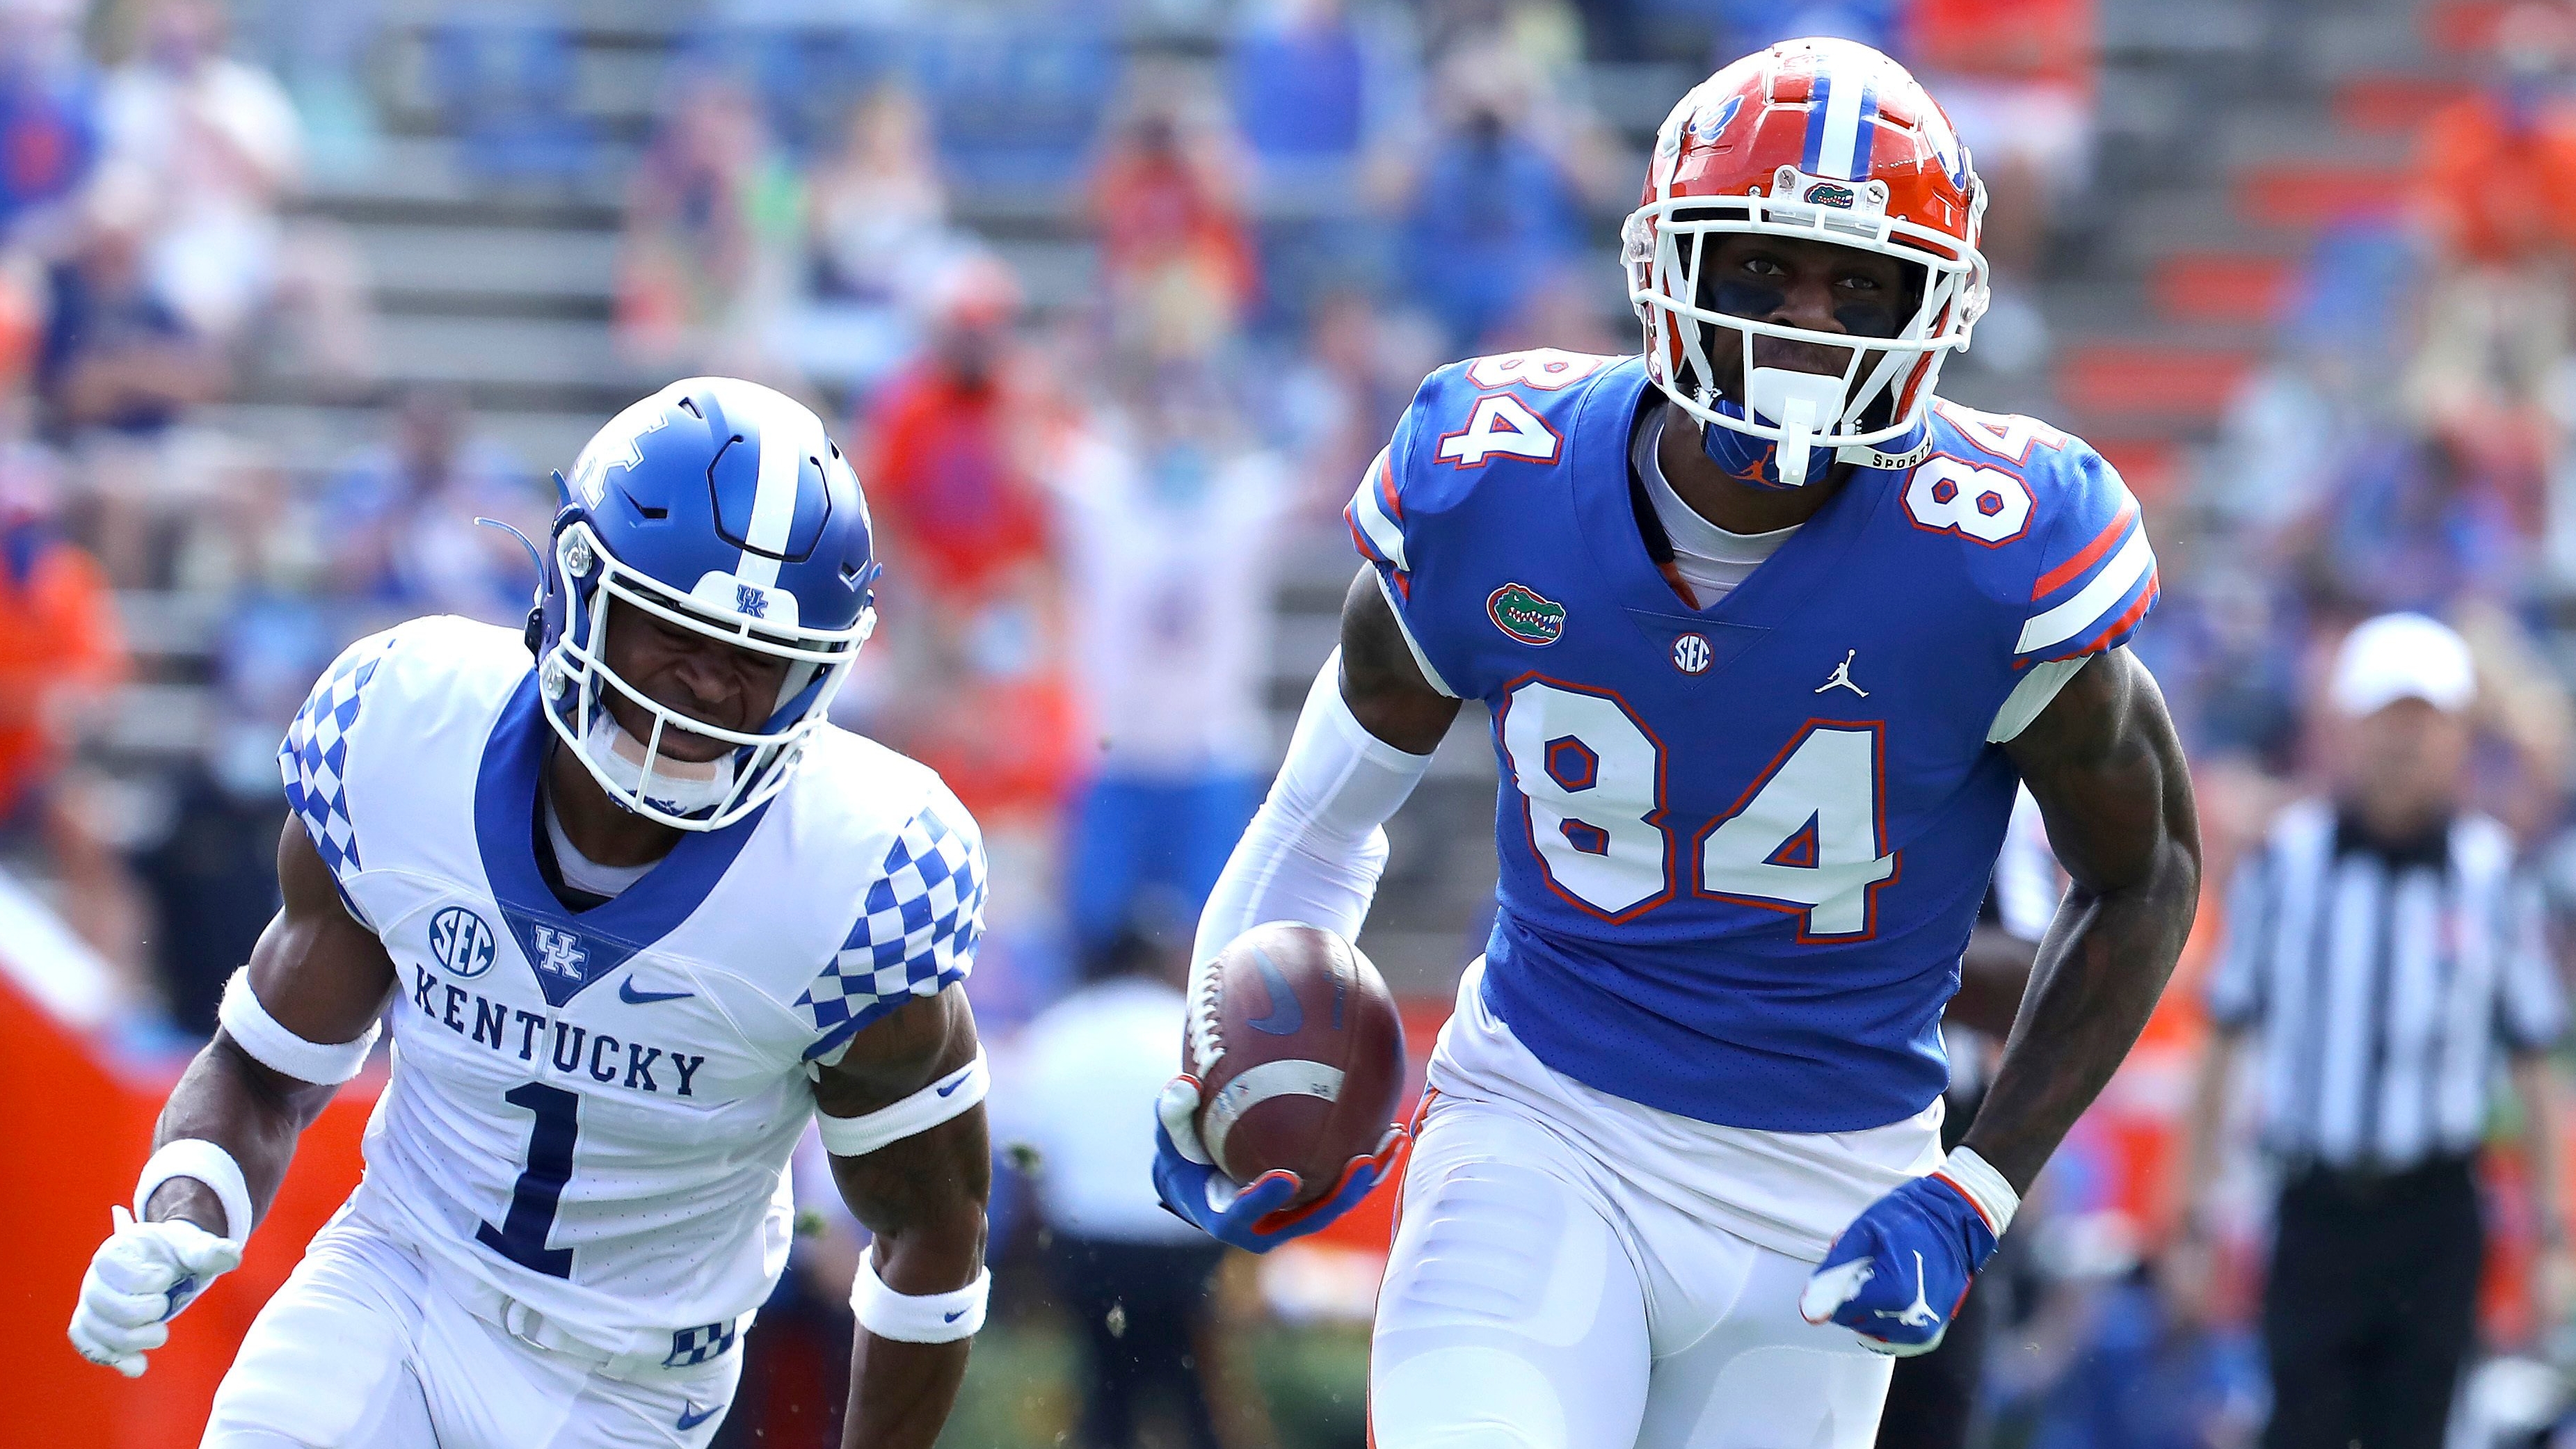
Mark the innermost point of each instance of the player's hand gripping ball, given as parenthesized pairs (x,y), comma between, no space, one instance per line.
(138,1281)
(1282,1119)
(1898,1274)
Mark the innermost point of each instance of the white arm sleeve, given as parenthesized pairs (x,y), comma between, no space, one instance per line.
(1314,851)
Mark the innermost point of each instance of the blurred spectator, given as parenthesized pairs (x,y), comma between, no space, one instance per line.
(220,146)
(503,75)
(2496,184)
(400,519)
(1138,1283)
(1299,74)
(714,223)
(2156,1370)
(59,643)
(2388,951)
(117,368)
(974,683)
(1493,215)
(2017,79)
(321,52)
(1177,261)
(1171,547)
(1342,394)
(878,218)
(1745,26)
(117,354)
(210,872)
(950,472)
(2413,522)
(48,111)
(61,651)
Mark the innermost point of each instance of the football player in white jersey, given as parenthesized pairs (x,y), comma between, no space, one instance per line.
(636,913)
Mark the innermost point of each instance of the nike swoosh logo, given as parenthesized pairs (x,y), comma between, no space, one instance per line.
(627,993)
(691,1416)
(1285,1014)
(952,1317)
(952,1085)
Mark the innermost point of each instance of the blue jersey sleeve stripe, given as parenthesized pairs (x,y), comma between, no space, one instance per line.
(2097,599)
(2089,555)
(1373,513)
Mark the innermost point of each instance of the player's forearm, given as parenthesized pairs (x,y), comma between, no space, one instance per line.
(2096,981)
(254,1114)
(901,1392)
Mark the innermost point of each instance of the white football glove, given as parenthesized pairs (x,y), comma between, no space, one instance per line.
(138,1281)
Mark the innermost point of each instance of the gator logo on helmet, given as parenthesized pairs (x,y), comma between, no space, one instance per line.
(1526,614)
(1826,193)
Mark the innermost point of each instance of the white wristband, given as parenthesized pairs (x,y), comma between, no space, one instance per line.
(1983,1187)
(208,1163)
(948,1097)
(272,1045)
(928,1318)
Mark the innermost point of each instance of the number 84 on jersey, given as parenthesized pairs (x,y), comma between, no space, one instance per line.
(1806,837)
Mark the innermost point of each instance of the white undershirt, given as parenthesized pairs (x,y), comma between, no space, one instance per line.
(1709,558)
(580,871)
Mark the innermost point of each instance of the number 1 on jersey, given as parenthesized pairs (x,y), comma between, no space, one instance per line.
(521,1238)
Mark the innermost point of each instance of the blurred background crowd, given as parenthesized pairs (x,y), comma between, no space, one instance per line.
(1112,300)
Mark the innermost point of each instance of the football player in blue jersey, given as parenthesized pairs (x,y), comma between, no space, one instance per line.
(637,913)
(1768,635)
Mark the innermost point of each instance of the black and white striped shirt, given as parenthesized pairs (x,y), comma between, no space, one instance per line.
(2383,981)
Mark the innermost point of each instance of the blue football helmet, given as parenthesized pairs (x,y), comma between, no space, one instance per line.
(719,506)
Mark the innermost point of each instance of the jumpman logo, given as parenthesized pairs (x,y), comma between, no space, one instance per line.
(1917,1314)
(1842,676)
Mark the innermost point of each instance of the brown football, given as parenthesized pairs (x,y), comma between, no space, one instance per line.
(1299,1054)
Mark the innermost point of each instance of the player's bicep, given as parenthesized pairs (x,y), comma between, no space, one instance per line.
(1384,679)
(2104,764)
(316,970)
(899,1054)
(907,1159)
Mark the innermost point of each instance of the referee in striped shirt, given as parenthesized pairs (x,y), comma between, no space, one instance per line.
(2386,954)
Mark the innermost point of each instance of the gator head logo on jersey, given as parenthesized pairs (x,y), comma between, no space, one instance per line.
(1526,614)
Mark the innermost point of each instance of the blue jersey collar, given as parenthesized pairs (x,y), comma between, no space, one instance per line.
(567,951)
(1598,462)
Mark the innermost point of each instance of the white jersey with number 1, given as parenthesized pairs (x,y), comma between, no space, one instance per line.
(591,1113)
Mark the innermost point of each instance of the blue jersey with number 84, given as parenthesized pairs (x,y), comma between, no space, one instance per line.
(1741,847)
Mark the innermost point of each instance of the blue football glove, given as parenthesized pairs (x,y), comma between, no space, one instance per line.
(1254,1217)
(1899,1272)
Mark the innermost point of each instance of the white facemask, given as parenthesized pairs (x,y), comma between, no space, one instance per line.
(682,787)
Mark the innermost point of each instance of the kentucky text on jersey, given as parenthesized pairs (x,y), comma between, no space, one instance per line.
(497,1023)
(1741,846)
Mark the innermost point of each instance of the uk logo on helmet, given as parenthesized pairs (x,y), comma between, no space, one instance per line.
(750,601)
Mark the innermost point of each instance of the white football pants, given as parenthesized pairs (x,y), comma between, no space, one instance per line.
(1536,1298)
(360,1349)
